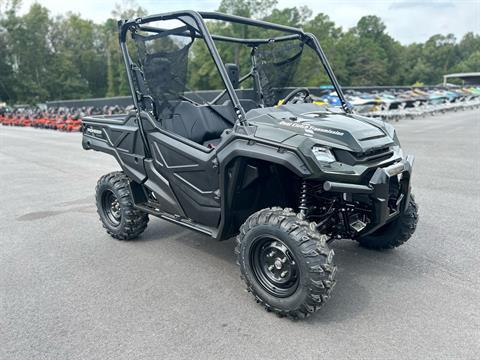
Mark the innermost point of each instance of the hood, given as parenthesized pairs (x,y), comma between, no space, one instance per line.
(292,124)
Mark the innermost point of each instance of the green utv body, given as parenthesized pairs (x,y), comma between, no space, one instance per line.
(286,180)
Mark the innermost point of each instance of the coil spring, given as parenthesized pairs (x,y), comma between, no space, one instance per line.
(303,206)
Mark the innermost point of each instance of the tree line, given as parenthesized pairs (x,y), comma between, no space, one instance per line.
(45,57)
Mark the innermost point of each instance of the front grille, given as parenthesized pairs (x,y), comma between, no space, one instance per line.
(354,158)
(373,155)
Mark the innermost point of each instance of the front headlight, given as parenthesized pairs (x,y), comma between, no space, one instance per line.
(323,154)
(398,150)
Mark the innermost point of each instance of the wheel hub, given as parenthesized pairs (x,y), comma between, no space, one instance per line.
(274,266)
(111,208)
(278,264)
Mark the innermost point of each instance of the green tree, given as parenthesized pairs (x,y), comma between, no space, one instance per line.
(78,40)
(330,37)
(470,64)
(6,71)
(117,83)
(371,27)
(295,17)
(358,55)
(64,57)
(469,44)
(247,8)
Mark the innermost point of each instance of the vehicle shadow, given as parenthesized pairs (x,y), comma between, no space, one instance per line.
(359,269)
(159,230)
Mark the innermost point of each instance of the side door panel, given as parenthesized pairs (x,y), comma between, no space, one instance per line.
(192,176)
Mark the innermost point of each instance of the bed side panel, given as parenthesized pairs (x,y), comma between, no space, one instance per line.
(120,137)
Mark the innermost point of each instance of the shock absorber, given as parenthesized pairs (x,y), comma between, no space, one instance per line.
(303,205)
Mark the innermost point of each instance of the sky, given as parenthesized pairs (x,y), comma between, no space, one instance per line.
(407,20)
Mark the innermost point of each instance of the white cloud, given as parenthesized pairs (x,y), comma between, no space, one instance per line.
(407,20)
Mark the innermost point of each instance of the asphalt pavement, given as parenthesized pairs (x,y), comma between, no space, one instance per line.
(69,291)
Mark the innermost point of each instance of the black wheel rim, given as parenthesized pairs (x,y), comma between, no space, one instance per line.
(111,208)
(274,266)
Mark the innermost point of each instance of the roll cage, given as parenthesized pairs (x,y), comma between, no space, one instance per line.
(196,28)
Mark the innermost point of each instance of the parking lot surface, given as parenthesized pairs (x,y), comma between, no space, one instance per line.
(69,291)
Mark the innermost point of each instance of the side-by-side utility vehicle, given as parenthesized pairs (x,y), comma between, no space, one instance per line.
(229,137)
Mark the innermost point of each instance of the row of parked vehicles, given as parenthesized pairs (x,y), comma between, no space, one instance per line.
(386,104)
(55,118)
(415,102)
(395,104)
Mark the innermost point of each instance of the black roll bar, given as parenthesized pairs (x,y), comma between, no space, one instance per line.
(187,16)
(242,20)
(202,28)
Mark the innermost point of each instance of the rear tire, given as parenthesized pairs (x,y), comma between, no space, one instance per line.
(285,263)
(115,207)
(396,232)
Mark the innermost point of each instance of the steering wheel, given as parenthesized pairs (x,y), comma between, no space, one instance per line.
(298,95)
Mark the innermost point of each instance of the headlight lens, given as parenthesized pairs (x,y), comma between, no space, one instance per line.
(323,154)
(399,150)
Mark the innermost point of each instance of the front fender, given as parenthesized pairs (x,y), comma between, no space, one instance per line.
(256,150)
(231,173)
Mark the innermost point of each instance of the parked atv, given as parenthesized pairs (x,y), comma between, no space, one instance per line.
(73,123)
(26,121)
(7,120)
(18,120)
(52,121)
(40,119)
(286,180)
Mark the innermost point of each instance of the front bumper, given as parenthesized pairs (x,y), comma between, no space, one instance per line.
(378,189)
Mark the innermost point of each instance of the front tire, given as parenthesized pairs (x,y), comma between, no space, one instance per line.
(115,207)
(285,263)
(396,232)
